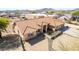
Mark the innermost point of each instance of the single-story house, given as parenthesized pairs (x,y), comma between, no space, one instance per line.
(12,15)
(31,28)
(66,17)
(33,16)
(75,18)
(4,14)
(54,16)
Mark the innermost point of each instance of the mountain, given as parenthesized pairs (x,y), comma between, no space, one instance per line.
(44,10)
(76,9)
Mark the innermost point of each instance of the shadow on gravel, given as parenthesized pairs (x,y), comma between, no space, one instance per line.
(9,42)
(36,39)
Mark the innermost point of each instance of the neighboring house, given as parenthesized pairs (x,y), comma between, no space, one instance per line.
(33,16)
(75,18)
(3,14)
(37,16)
(66,17)
(54,16)
(12,15)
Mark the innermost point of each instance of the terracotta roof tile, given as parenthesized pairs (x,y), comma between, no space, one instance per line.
(33,24)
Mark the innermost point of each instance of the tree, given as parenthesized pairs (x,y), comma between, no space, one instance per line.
(75,12)
(50,12)
(60,12)
(3,25)
(33,12)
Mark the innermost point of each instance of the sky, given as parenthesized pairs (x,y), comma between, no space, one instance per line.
(38,4)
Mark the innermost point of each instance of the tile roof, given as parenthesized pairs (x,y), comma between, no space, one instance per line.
(33,24)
